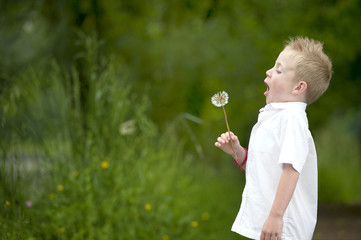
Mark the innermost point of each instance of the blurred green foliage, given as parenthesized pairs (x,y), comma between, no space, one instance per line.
(116,177)
(73,71)
(180,52)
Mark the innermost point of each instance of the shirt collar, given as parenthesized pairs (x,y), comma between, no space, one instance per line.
(284,105)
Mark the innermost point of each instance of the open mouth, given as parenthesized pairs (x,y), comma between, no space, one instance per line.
(267,91)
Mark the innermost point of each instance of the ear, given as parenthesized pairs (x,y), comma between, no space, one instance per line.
(300,88)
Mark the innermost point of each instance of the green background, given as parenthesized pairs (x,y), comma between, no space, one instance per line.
(107,127)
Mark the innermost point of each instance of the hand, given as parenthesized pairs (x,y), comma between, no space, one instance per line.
(272,228)
(223,142)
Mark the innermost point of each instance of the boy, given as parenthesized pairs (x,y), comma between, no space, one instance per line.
(279,200)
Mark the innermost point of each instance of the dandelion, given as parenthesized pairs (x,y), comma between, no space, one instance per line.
(28,204)
(165,237)
(105,164)
(60,187)
(75,173)
(205,216)
(194,224)
(62,229)
(220,99)
(148,207)
(7,203)
(51,196)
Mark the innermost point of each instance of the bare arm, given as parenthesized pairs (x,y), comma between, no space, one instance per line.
(273,226)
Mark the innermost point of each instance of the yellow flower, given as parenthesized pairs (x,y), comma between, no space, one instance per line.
(60,187)
(148,207)
(205,216)
(7,203)
(51,196)
(62,229)
(105,164)
(75,173)
(165,237)
(195,224)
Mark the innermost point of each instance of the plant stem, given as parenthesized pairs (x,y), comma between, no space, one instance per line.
(229,132)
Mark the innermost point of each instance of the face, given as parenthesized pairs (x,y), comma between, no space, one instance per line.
(279,80)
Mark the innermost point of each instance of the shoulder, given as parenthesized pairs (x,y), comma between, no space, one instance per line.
(289,110)
(293,116)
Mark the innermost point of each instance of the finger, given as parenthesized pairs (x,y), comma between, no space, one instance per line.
(224,137)
(230,135)
(267,236)
(273,236)
(234,138)
(221,140)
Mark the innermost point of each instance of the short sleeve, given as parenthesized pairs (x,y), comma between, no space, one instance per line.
(293,142)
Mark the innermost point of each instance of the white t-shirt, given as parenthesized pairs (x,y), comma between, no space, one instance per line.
(281,135)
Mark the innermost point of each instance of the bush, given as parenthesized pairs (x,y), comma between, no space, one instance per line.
(339,160)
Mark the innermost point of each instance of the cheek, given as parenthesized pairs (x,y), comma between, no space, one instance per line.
(281,85)
(277,88)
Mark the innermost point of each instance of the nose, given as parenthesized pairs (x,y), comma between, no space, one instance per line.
(268,73)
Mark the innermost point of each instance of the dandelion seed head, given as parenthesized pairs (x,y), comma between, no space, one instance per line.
(220,99)
(127,127)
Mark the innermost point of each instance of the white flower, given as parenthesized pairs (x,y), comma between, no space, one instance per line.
(220,99)
(127,127)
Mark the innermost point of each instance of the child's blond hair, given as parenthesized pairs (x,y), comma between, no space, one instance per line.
(312,66)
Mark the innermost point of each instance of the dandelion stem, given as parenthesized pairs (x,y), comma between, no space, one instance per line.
(229,132)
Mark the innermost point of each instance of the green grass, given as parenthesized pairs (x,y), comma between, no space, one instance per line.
(106,173)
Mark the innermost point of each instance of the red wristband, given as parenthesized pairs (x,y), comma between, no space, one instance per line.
(244,161)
